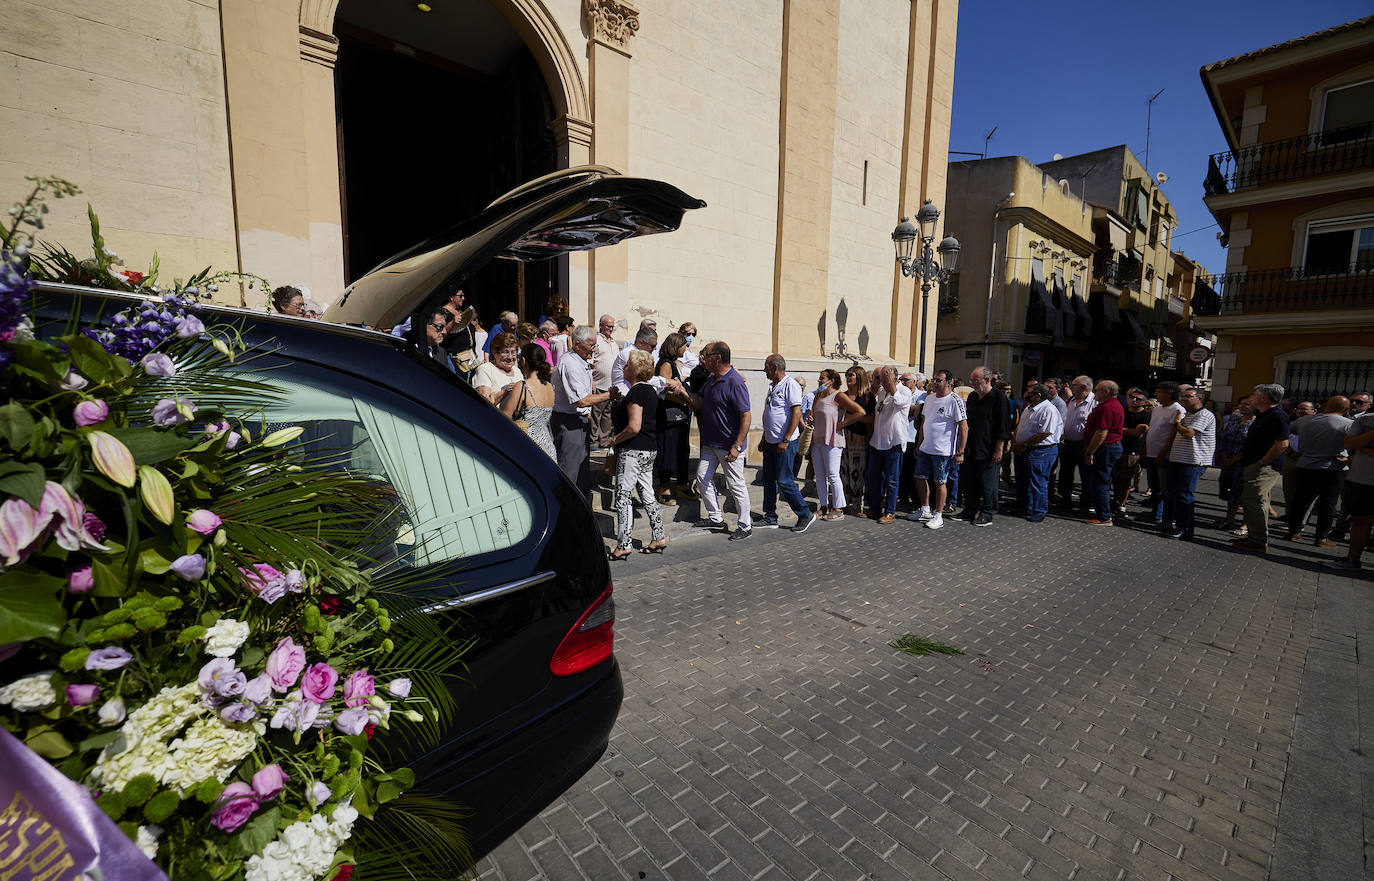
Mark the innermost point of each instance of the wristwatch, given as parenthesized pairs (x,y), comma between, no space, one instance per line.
(737,447)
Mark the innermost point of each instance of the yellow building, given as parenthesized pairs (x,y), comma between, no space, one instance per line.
(1295,196)
(306,140)
(1065,269)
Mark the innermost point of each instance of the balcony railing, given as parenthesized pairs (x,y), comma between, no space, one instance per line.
(1285,290)
(1335,150)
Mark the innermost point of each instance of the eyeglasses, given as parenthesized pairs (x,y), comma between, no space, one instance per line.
(438,326)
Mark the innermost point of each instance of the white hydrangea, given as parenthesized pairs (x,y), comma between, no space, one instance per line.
(225,636)
(305,850)
(30,693)
(147,840)
(207,748)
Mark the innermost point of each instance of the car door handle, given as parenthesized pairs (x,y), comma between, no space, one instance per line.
(468,600)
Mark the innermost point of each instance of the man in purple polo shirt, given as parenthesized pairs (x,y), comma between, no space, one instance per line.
(724,406)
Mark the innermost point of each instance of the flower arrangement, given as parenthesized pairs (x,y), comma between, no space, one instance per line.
(189,625)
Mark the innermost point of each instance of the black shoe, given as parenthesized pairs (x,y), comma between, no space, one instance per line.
(985,520)
(1172,533)
(766,523)
(705,523)
(803,525)
(741,534)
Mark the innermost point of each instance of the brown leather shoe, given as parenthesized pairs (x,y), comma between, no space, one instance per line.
(1295,536)
(1325,543)
(886,518)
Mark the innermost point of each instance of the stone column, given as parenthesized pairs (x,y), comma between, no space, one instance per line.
(801,267)
(324,214)
(610,25)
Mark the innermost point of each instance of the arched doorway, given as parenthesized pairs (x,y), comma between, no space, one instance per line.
(438,113)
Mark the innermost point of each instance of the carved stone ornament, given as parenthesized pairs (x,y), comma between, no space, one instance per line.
(612,22)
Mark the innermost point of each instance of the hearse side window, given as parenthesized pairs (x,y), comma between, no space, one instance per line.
(459,500)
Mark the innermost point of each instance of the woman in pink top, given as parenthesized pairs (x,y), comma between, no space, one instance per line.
(827,441)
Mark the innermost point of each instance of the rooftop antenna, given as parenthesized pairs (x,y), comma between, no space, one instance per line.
(1149,108)
(986,139)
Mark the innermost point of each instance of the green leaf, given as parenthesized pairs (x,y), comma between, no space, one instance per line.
(108,581)
(88,357)
(16,425)
(150,446)
(96,741)
(49,744)
(388,790)
(153,563)
(259,832)
(30,606)
(25,480)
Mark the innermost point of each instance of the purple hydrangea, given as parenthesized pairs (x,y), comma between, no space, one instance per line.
(139,330)
(15,285)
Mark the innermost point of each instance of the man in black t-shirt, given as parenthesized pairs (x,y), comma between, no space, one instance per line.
(1261,458)
(1132,442)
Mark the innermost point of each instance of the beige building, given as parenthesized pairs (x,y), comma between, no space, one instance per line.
(1066,269)
(306,140)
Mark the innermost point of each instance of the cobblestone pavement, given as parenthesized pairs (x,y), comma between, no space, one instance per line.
(1125,709)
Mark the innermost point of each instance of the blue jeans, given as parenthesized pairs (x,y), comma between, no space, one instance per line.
(1033,480)
(884,468)
(778,471)
(1097,483)
(1161,493)
(1182,482)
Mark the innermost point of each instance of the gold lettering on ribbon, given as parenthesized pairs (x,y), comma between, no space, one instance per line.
(31,849)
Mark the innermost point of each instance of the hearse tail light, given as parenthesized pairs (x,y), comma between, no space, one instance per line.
(590,641)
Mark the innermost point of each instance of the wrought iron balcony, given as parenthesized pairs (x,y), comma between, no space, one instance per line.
(1285,290)
(1329,152)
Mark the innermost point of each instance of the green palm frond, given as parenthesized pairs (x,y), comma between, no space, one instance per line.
(417,837)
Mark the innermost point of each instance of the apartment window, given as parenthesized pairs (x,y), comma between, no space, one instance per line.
(1137,205)
(1335,247)
(1347,113)
(1318,380)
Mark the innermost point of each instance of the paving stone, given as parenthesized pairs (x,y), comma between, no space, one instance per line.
(1129,714)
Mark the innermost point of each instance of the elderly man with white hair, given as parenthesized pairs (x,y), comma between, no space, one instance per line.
(574,396)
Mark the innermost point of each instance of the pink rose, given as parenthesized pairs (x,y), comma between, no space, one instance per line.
(358,687)
(80,695)
(265,581)
(319,682)
(203,521)
(80,580)
(269,781)
(90,413)
(236,804)
(284,665)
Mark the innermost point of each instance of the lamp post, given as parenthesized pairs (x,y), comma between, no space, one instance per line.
(924,266)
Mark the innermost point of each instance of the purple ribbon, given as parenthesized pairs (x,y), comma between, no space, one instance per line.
(51,829)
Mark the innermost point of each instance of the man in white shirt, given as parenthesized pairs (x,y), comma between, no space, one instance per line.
(603,359)
(940,444)
(1191,451)
(1036,449)
(1156,454)
(892,402)
(782,415)
(1080,404)
(646,340)
(574,398)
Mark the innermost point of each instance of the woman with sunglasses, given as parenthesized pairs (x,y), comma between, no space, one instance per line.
(857,428)
(828,411)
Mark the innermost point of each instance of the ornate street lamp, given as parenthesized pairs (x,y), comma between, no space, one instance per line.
(924,266)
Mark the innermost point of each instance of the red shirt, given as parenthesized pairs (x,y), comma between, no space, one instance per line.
(1109,416)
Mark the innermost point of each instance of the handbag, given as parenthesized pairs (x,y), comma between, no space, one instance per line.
(520,421)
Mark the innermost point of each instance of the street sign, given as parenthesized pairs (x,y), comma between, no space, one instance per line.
(1033,356)
(1198,354)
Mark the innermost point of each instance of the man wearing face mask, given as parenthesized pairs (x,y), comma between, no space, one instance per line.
(689,358)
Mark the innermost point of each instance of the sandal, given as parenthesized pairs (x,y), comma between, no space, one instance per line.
(616,555)
(654,548)
(665,497)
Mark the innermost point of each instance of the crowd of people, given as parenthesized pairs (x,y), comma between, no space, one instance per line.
(878,439)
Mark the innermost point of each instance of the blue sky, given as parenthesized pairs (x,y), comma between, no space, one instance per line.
(1070,76)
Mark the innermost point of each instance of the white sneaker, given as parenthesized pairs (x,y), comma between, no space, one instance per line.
(925,515)
(935,522)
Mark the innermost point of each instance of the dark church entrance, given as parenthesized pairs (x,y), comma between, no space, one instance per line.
(438,114)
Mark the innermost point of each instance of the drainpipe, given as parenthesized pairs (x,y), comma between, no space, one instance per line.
(992,274)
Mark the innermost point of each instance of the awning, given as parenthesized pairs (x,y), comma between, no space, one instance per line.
(1085,318)
(1067,319)
(1107,305)
(1137,332)
(1041,298)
